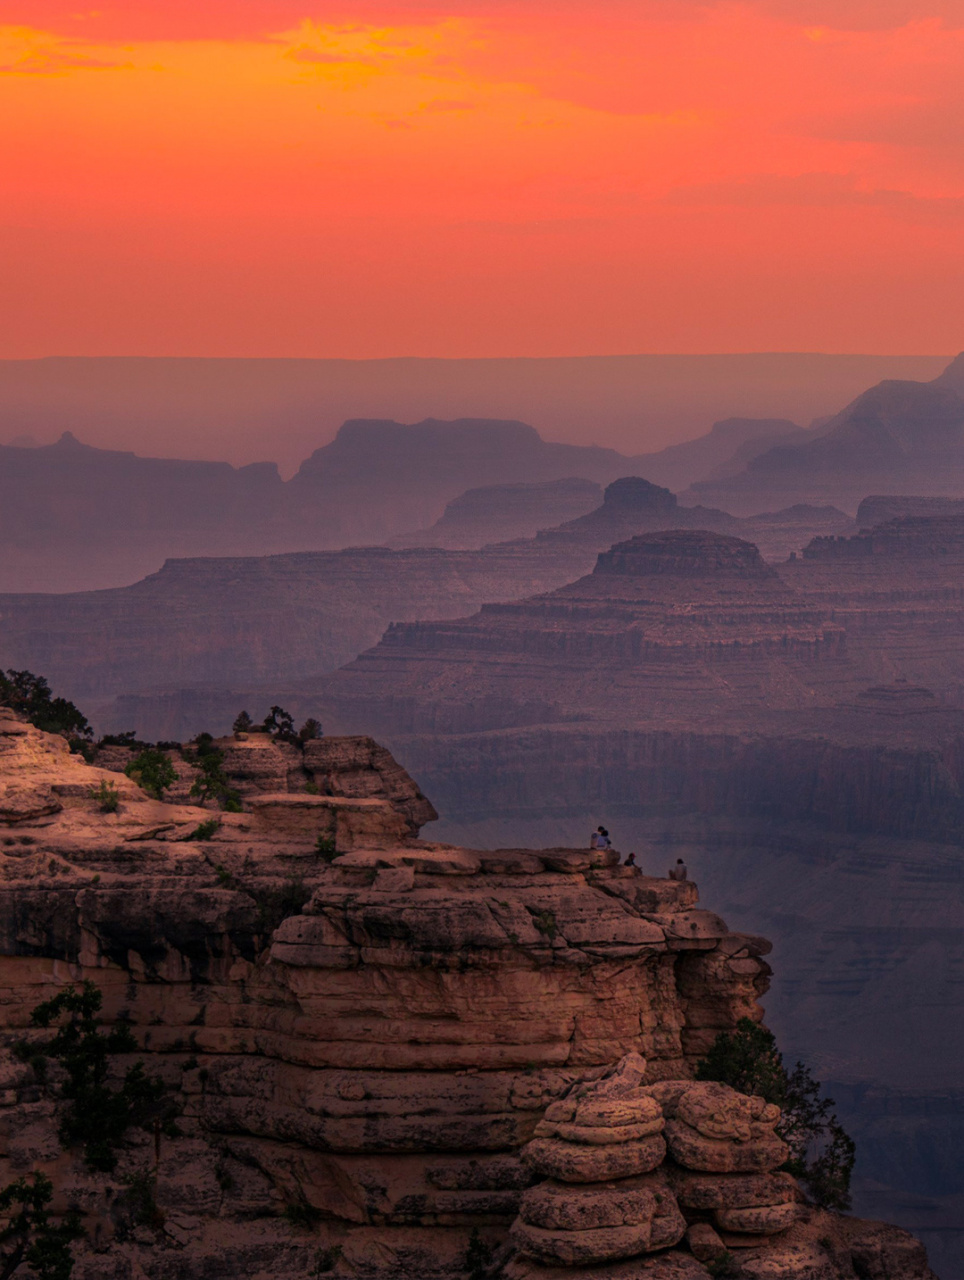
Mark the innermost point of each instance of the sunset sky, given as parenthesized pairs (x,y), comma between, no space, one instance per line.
(225,177)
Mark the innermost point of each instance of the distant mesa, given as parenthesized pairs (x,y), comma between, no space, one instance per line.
(907,536)
(684,553)
(879,508)
(897,436)
(635,494)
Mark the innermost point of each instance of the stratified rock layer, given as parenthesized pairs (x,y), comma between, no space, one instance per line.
(367,1037)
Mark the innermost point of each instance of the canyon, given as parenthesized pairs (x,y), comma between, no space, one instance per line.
(77,517)
(378,1046)
(182,645)
(795,731)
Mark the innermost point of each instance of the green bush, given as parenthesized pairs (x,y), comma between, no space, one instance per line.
(325,845)
(152,770)
(28,1238)
(106,796)
(822,1154)
(96,1115)
(545,922)
(206,830)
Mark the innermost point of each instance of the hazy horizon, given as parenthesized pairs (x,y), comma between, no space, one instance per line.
(280,409)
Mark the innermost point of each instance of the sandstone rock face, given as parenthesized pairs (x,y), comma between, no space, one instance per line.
(369,1039)
(350,789)
(711,1132)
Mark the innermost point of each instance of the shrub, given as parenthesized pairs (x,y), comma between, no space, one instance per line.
(822,1154)
(211,782)
(106,796)
(28,1236)
(325,845)
(152,770)
(545,922)
(96,1115)
(205,830)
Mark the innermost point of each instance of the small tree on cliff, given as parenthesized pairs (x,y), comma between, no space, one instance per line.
(211,783)
(281,725)
(31,697)
(96,1115)
(242,723)
(310,730)
(822,1154)
(29,1238)
(152,770)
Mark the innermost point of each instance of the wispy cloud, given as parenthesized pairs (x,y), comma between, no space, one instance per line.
(25,52)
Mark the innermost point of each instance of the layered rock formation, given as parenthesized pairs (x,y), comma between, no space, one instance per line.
(371,1038)
(898,437)
(628,1165)
(74,517)
(244,623)
(797,736)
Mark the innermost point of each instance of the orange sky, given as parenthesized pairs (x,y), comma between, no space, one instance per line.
(225,177)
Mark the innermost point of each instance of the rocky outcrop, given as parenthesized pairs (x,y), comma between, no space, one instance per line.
(370,1038)
(628,1166)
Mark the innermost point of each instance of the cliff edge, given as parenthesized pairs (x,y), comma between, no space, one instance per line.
(366,1034)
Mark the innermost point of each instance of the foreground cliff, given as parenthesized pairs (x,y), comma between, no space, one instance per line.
(367,1035)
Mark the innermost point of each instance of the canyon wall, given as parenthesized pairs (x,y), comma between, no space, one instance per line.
(360,1035)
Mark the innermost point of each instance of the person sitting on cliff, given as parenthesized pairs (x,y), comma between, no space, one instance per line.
(600,839)
(678,872)
(631,860)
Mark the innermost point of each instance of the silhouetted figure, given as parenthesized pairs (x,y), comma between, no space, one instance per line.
(678,872)
(600,839)
(631,860)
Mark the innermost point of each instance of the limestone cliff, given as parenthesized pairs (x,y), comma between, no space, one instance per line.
(366,1028)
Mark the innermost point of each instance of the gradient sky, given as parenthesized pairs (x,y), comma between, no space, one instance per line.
(238,177)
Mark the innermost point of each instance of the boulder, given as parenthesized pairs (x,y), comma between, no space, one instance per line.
(574,1162)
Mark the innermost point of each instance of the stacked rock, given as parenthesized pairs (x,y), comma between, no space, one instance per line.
(629,1166)
(723,1152)
(601,1202)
